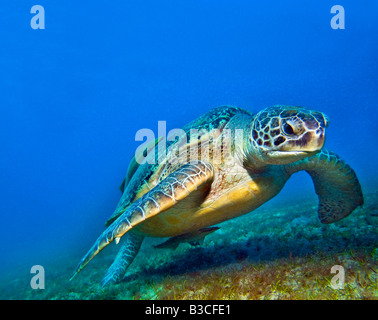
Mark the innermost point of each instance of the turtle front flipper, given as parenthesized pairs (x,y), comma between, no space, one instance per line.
(336,184)
(173,189)
(124,258)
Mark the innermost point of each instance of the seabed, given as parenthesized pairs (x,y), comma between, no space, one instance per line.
(272,253)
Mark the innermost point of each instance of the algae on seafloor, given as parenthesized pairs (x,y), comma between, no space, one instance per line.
(272,253)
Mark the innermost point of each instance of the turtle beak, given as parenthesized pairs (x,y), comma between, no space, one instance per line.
(311,141)
(320,136)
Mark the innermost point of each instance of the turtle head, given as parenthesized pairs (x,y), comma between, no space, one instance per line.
(284,134)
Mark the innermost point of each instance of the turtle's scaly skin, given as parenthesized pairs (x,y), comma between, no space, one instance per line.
(274,125)
(242,161)
(123,259)
(342,184)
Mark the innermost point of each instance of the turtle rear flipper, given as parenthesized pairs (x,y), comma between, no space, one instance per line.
(194,238)
(124,258)
(173,189)
(336,185)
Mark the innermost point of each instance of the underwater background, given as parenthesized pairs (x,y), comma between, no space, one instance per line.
(74,94)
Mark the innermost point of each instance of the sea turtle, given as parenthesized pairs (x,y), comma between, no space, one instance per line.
(226,163)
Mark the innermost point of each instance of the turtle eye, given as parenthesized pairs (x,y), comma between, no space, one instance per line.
(288,129)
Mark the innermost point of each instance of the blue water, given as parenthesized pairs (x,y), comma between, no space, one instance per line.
(74,94)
